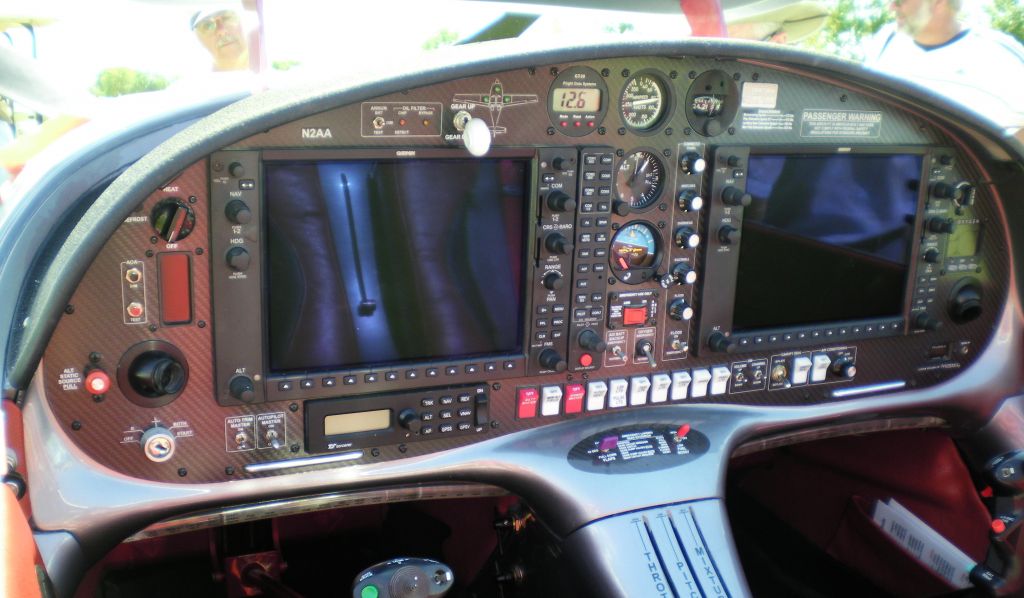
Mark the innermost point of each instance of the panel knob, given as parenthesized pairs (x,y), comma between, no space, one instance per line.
(734,196)
(562,164)
(689,201)
(553,280)
(932,255)
(923,321)
(844,368)
(720,343)
(692,163)
(727,235)
(238,259)
(238,212)
(242,389)
(236,170)
(556,243)
(621,208)
(686,238)
(172,219)
(591,341)
(965,304)
(410,420)
(560,202)
(680,273)
(680,310)
(549,359)
(155,374)
(734,161)
(940,225)
(158,444)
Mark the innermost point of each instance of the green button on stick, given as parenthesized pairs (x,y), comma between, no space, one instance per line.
(369,591)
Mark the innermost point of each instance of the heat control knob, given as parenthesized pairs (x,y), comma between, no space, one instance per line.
(727,235)
(172,219)
(560,202)
(734,196)
(155,374)
(692,163)
(686,238)
(940,225)
(556,243)
(680,310)
(242,389)
(158,444)
(923,321)
(553,280)
(549,359)
(591,341)
(720,343)
(689,201)
(238,212)
(410,420)
(931,255)
(238,259)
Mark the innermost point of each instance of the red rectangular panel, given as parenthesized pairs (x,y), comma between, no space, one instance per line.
(527,403)
(574,394)
(631,316)
(175,270)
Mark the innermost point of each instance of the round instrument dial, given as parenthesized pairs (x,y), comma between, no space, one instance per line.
(634,252)
(643,102)
(640,179)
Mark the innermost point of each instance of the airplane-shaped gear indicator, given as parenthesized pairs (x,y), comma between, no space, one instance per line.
(495,100)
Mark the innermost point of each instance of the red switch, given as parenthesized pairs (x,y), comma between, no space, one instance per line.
(632,316)
(998,526)
(527,403)
(97,382)
(574,394)
(683,431)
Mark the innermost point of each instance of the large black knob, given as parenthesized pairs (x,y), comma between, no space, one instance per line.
(238,259)
(556,243)
(940,225)
(591,341)
(965,304)
(923,321)
(844,368)
(238,212)
(680,273)
(549,359)
(692,163)
(686,238)
(562,164)
(932,255)
(720,343)
(560,202)
(734,196)
(553,280)
(173,219)
(155,374)
(236,170)
(727,235)
(689,201)
(410,420)
(680,310)
(242,389)
(734,161)
(621,208)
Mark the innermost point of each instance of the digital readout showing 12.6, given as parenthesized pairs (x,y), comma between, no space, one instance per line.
(567,99)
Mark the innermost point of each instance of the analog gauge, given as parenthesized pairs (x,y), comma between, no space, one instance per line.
(643,102)
(640,179)
(634,252)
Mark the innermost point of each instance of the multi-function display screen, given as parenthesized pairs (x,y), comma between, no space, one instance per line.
(827,238)
(387,261)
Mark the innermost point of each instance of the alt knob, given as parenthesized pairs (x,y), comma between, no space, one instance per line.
(727,235)
(680,310)
(686,238)
(940,225)
(556,243)
(560,202)
(241,388)
(923,321)
(410,420)
(689,201)
(692,163)
(734,196)
(238,259)
(238,212)
(172,219)
(158,444)
(932,255)
(549,359)
(155,374)
(552,280)
(591,341)
(720,343)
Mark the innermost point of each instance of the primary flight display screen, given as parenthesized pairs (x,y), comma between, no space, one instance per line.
(827,238)
(389,261)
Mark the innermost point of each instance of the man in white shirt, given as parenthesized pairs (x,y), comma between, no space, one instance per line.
(981,69)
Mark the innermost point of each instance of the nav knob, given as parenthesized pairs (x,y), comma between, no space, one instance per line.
(940,225)
(238,212)
(560,202)
(241,388)
(720,343)
(550,360)
(932,255)
(158,444)
(553,280)
(734,196)
(680,310)
(556,243)
(844,368)
(238,259)
(923,321)
(727,235)
(686,238)
(410,420)
(692,163)
(689,201)
(591,341)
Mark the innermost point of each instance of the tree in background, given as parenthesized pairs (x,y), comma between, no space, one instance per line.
(119,81)
(440,39)
(1008,17)
(849,25)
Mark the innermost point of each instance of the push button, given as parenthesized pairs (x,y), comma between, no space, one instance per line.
(660,383)
(680,385)
(617,389)
(526,404)
(639,386)
(701,377)
(574,394)
(551,400)
(720,376)
(596,393)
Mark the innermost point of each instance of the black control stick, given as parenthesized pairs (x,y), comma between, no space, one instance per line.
(404,578)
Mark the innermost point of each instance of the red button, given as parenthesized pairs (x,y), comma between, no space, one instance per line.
(135,309)
(683,431)
(586,360)
(574,394)
(998,526)
(986,492)
(634,315)
(527,403)
(97,382)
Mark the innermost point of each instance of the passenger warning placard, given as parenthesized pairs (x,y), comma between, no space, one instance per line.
(840,123)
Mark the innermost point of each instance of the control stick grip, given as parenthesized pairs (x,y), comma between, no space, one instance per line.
(404,578)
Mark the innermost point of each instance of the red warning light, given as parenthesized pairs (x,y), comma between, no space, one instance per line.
(97,382)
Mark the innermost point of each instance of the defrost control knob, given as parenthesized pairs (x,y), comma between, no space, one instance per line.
(238,212)
(242,389)
(158,444)
(172,219)
(238,259)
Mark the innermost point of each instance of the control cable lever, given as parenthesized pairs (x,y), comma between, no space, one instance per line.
(1001,573)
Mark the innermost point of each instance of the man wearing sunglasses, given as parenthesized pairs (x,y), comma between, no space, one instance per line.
(220,31)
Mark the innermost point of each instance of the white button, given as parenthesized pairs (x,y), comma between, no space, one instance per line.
(617,389)
(550,400)
(659,390)
(820,368)
(596,392)
(638,387)
(701,378)
(801,367)
(680,385)
(720,379)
